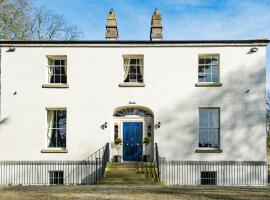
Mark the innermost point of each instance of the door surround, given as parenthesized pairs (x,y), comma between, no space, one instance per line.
(143,115)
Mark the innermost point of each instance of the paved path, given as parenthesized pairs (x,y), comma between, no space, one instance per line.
(133,192)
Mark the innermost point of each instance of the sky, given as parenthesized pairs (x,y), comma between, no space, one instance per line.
(182,19)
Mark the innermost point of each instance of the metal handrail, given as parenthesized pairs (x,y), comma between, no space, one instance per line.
(157,159)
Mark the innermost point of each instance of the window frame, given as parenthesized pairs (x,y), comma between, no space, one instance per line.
(211,180)
(48,149)
(208,83)
(56,178)
(218,134)
(49,59)
(133,83)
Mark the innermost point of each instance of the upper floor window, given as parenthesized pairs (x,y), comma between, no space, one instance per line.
(56,128)
(208,69)
(209,127)
(133,69)
(57,69)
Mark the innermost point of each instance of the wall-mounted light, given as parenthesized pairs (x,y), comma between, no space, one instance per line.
(157,125)
(253,50)
(11,49)
(103,126)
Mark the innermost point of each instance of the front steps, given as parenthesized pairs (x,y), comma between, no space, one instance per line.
(130,173)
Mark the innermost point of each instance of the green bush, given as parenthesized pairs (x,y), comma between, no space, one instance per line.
(268,142)
(147,140)
(118,141)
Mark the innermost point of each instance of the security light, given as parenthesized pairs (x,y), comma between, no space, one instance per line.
(157,125)
(11,49)
(253,50)
(103,126)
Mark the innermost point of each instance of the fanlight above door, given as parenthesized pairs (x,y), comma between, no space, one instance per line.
(124,112)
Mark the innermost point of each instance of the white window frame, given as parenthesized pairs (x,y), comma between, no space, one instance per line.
(211,65)
(218,134)
(141,64)
(52,58)
(46,131)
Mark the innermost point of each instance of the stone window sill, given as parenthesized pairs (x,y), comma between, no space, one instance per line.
(55,85)
(208,84)
(131,85)
(54,151)
(208,151)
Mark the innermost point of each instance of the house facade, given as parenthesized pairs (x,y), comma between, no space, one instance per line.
(198,100)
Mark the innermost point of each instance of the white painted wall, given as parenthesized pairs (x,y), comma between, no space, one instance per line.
(170,75)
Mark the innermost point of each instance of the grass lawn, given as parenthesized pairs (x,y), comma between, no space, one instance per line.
(133,192)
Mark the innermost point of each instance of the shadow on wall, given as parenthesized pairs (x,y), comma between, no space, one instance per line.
(242,118)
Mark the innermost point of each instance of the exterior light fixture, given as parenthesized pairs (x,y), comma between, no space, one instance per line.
(157,125)
(103,126)
(253,50)
(11,49)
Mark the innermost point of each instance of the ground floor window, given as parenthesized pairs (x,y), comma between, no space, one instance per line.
(56,177)
(209,127)
(208,178)
(56,128)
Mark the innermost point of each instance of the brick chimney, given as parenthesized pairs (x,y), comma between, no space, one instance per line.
(111,26)
(156,26)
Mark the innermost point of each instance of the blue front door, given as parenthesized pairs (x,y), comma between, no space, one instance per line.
(132,141)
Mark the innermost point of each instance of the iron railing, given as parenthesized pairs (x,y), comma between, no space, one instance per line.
(157,159)
(219,173)
(88,171)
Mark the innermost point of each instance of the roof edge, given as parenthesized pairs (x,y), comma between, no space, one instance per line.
(265,41)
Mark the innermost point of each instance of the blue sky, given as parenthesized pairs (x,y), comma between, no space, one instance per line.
(182,19)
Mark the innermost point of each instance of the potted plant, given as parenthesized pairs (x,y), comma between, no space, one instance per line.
(147,140)
(117,142)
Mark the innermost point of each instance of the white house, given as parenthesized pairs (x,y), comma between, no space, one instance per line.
(200,101)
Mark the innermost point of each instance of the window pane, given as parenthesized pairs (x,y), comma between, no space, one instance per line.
(203,118)
(201,61)
(215,69)
(201,77)
(133,61)
(132,69)
(213,138)
(213,118)
(214,78)
(132,77)
(208,60)
(207,69)
(203,137)
(207,78)
(201,69)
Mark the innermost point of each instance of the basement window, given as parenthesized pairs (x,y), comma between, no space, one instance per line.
(56,177)
(208,178)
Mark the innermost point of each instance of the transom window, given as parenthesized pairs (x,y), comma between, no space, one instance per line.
(56,128)
(57,69)
(133,68)
(209,127)
(208,68)
(56,177)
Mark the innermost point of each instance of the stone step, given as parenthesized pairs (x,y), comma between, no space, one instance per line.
(126,174)
(110,165)
(128,183)
(128,179)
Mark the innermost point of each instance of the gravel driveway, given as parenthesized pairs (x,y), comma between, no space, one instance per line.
(133,192)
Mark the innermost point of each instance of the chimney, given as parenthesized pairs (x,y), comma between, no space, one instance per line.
(111,27)
(156,26)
